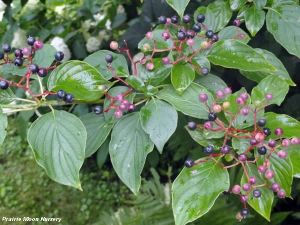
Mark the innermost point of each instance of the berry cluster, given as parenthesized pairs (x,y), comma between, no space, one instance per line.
(120,104)
(23,58)
(260,148)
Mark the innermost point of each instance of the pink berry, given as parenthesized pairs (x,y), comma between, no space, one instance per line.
(123,107)
(119,97)
(272,143)
(26,51)
(203,97)
(252,180)
(166,35)
(240,101)
(244,198)
(245,111)
(227,90)
(278,131)
(295,141)
(149,66)
(261,169)
(166,60)
(38,44)
(236,189)
(281,193)
(246,187)
(269,174)
(275,187)
(217,108)
(259,137)
(118,114)
(207,125)
(114,45)
(237,22)
(242,157)
(169,21)
(244,96)
(149,35)
(282,154)
(131,107)
(220,94)
(190,42)
(125,102)
(269,97)
(285,142)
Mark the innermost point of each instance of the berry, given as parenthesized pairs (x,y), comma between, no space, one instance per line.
(282,154)
(272,143)
(259,137)
(196,28)
(267,131)
(236,189)
(295,141)
(275,187)
(252,180)
(208,149)
(190,34)
(220,94)
(149,66)
(204,70)
(33,68)
(18,53)
(212,116)
(215,38)
(186,19)
(217,108)
(69,98)
(4,84)
(42,72)
(242,157)
(244,212)
(1,55)
(38,44)
(246,187)
(59,56)
(207,125)
(281,193)
(181,35)
(131,107)
(209,34)
(278,131)
(30,41)
(189,163)
(269,174)
(114,45)
(149,35)
(253,141)
(169,21)
(244,198)
(285,142)
(166,60)
(200,18)
(226,105)
(236,22)
(227,90)
(244,96)
(61,94)
(261,169)
(165,35)
(240,101)
(174,19)
(98,109)
(18,61)
(269,97)
(162,20)
(262,150)
(109,58)
(225,149)
(118,114)
(261,122)
(6,48)
(245,111)
(26,51)
(203,97)
(256,193)
(192,125)
(190,42)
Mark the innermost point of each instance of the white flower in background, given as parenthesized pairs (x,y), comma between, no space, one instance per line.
(59,9)
(102,35)
(92,44)
(108,24)
(167,194)
(98,17)
(2,9)
(120,9)
(86,25)
(19,39)
(31,4)
(60,45)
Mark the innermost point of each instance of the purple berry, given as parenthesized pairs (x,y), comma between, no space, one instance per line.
(244,212)
(186,19)
(203,97)
(227,90)
(285,142)
(192,125)
(261,169)
(4,84)
(118,113)
(295,141)
(269,174)
(190,42)
(166,35)
(166,60)
(272,143)
(236,189)
(253,141)
(38,44)
(220,94)
(262,150)
(278,131)
(242,157)
(245,111)
(244,96)
(256,193)
(281,194)
(207,125)
(244,198)
(240,101)
(252,180)
(275,187)
(236,22)
(225,149)
(246,187)
(282,154)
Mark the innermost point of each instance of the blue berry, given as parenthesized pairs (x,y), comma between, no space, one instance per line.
(215,38)
(18,53)
(225,149)
(1,55)
(262,150)
(98,109)
(109,58)
(30,40)
(209,34)
(200,18)
(18,61)
(4,84)
(209,149)
(196,28)
(204,70)
(61,94)
(253,141)
(212,116)
(59,56)
(244,212)
(256,193)
(181,35)
(69,98)
(189,163)
(162,20)
(42,72)
(6,48)
(267,131)
(33,68)
(174,19)
(261,122)
(192,125)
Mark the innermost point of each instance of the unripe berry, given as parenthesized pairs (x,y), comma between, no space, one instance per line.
(236,22)
(220,94)
(169,21)
(282,154)
(203,97)
(256,193)
(131,107)
(278,131)
(207,125)
(259,137)
(244,198)
(166,60)
(244,96)
(149,35)
(269,97)
(165,35)
(118,113)
(253,141)
(146,47)
(227,90)
(281,194)
(267,163)
(123,106)
(236,189)
(226,105)
(240,101)
(285,142)
(246,187)
(275,187)
(217,108)
(114,45)
(272,143)
(252,180)
(205,45)
(242,157)
(245,111)
(119,97)
(295,141)
(190,42)
(269,174)
(225,149)
(189,163)
(38,44)
(150,66)
(192,125)
(26,51)
(261,169)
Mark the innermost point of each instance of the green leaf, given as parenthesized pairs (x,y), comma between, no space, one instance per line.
(270,85)
(188,103)
(97,59)
(200,61)
(58,142)
(254,19)
(97,131)
(45,56)
(237,55)
(182,75)
(217,15)
(190,195)
(6,96)
(212,82)
(204,137)
(3,126)
(294,154)
(128,149)
(290,126)
(236,4)
(80,79)
(156,41)
(262,205)
(102,153)
(282,22)
(136,82)
(233,32)
(240,144)
(260,3)
(273,60)
(178,5)
(159,120)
